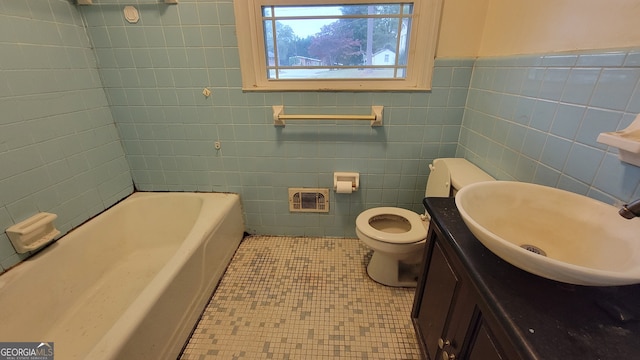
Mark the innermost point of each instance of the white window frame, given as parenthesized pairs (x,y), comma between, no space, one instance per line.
(422,47)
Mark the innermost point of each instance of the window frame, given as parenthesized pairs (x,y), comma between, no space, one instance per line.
(421,54)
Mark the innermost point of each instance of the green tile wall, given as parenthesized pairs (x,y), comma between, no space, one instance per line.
(528,118)
(154,73)
(536,119)
(59,147)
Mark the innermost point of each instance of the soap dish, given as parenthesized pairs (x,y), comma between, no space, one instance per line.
(627,141)
(33,233)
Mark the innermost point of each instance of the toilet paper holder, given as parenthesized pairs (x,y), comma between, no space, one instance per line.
(352,177)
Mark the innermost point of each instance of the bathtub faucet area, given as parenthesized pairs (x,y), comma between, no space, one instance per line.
(630,210)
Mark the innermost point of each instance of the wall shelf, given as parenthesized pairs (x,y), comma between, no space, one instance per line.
(627,141)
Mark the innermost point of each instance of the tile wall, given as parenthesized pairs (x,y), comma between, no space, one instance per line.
(529,118)
(154,73)
(536,119)
(59,148)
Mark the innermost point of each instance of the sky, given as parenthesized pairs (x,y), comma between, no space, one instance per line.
(307,27)
(304,28)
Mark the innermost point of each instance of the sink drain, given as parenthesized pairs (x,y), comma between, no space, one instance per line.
(534,249)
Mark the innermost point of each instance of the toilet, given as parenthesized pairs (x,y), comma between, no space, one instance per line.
(397,236)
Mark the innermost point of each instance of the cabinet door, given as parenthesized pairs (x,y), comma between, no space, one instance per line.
(450,317)
(438,295)
(484,346)
(459,324)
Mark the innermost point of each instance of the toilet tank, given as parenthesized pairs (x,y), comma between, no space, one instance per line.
(448,175)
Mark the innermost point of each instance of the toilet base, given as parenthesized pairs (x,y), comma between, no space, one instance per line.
(389,271)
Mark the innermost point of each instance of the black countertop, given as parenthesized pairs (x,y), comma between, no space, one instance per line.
(545,319)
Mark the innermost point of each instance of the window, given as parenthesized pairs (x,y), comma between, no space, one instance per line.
(333,45)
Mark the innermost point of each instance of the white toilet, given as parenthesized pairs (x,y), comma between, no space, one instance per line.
(397,236)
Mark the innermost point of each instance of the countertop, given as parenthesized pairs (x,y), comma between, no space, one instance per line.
(545,319)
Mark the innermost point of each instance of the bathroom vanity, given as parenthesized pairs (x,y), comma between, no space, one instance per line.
(470,304)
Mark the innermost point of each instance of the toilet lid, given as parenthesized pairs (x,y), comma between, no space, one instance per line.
(417,231)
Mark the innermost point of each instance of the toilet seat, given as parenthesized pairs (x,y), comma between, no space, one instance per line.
(416,233)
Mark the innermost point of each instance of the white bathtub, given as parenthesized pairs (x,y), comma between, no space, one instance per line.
(129,284)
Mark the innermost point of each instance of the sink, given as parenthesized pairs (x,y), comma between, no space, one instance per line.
(553,233)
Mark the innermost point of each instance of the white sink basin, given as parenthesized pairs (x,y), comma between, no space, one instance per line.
(583,241)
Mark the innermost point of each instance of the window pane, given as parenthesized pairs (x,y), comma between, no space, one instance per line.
(367,41)
(313,11)
(269,42)
(403,42)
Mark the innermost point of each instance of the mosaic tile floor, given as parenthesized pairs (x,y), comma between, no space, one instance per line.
(303,298)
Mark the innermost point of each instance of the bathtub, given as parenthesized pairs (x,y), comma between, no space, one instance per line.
(128,284)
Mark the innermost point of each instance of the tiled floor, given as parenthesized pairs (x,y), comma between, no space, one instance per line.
(303,298)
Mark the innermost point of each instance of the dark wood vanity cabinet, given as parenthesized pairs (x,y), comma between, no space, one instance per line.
(447,315)
(472,305)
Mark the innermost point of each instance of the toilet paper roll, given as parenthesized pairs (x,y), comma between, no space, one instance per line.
(344,187)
